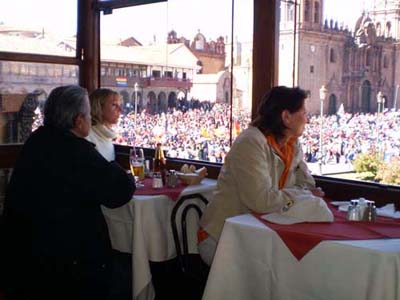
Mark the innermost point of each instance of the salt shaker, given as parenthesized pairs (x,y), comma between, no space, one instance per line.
(172,179)
(157,181)
(353,212)
(370,212)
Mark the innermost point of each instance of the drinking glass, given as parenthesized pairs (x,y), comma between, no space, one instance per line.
(136,162)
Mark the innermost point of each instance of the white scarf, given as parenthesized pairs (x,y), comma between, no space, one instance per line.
(102,137)
(104,131)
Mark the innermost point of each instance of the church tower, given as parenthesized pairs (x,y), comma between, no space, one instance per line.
(311,14)
(386,16)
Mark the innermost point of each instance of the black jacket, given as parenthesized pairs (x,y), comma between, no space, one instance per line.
(53,199)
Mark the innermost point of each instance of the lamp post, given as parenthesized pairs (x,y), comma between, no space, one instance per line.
(381,102)
(380,99)
(136,87)
(322,95)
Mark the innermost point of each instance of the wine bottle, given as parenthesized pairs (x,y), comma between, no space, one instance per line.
(159,159)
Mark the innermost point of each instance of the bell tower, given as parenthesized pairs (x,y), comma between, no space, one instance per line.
(311,14)
(287,14)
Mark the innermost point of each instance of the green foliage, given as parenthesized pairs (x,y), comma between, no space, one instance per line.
(389,172)
(367,162)
(369,176)
(370,167)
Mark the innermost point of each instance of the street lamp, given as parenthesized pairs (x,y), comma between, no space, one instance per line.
(136,88)
(322,95)
(381,105)
(381,101)
(395,98)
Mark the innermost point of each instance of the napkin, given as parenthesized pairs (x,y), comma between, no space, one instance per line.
(313,209)
(388,211)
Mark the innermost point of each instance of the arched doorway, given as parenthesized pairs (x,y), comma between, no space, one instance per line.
(172,100)
(227,89)
(151,103)
(332,105)
(353,100)
(126,104)
(139,101)
(162,103)
(366,97)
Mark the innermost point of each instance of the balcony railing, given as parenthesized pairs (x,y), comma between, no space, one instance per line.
(120,81)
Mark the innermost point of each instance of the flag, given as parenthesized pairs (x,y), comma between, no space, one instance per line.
(121,81)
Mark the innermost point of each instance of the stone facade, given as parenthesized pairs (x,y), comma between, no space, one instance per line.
(353,66)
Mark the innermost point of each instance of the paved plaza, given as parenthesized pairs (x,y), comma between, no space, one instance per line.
(330,168)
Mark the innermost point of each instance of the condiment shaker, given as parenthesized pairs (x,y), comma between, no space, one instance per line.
(353,212)
(172,179)
(370,212)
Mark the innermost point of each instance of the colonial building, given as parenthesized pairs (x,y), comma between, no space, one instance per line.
(152,77)
(354,66)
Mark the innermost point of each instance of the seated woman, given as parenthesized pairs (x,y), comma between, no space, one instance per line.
(57,241)
(105,107)
(264,171)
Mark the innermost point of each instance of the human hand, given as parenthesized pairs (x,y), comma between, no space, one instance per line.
(318,192)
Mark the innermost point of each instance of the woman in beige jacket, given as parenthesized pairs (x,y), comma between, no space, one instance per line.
(264,170)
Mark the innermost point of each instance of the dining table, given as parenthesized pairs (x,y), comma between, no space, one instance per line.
(142,227)
(254,260)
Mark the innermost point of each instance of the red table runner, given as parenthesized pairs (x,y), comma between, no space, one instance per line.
(302,237)
(172,193)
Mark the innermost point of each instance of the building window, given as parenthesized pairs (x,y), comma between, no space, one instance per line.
(385,61)
(307,11)
(316,12)
(290,12)
(156,74)
(378,29)
(168,74)
(311,69)
(332,55)
(368,60)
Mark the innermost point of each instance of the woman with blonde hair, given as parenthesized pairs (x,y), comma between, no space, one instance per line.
(105,107)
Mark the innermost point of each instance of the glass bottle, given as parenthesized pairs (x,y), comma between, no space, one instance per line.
(159,164)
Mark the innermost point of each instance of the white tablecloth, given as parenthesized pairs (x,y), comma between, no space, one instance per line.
(252,262)
(143,227)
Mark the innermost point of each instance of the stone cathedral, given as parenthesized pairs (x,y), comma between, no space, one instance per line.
(354,64)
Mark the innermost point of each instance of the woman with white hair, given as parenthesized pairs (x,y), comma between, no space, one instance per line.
(105,107)
(57,242)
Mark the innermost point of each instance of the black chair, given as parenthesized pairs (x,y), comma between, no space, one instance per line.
(193,270)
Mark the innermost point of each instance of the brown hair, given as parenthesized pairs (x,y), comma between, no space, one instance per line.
(269,113)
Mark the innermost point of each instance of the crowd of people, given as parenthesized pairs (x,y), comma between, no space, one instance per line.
(346,135)
(204,133)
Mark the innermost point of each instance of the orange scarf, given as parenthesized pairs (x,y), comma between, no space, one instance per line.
(286,154)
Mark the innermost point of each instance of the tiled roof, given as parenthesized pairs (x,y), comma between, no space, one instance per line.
(174,55)
(37,45)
